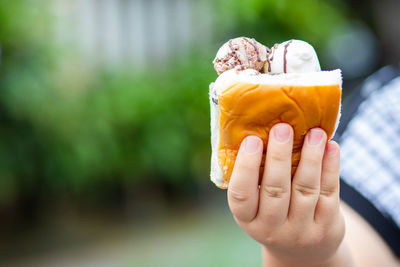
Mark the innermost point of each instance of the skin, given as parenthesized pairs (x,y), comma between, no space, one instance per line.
(300,221)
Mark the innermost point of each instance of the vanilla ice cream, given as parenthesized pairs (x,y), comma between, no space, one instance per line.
(292,56)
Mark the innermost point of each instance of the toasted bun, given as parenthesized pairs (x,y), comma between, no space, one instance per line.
(246,103)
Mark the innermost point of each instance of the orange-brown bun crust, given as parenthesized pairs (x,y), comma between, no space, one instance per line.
(252,109)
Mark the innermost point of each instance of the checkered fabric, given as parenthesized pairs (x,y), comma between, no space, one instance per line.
(370,150)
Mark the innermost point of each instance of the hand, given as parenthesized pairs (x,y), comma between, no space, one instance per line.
(298,221)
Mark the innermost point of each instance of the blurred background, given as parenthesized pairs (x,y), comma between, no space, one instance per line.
(104,121)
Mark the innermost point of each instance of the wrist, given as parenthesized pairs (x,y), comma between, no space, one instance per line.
(341,257)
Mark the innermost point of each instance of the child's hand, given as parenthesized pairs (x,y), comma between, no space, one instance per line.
(298,221)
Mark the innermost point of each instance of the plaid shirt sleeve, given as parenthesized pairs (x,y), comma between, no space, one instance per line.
(370,151)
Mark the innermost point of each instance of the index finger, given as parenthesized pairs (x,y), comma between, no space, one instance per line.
(243,186)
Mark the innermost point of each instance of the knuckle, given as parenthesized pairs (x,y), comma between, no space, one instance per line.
(328,191)
(271,241)
(279,156)
(318,238)
(309,239)
(306,189)
(238,196)
(312,160)
(274,191)
(245,165)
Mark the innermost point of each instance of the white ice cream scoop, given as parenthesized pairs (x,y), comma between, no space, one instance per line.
(292,56)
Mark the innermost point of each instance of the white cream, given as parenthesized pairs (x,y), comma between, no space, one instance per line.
(292,56)
(300,79)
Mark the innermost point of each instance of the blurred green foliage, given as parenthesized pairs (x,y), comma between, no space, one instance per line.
(67,127)
(275,21)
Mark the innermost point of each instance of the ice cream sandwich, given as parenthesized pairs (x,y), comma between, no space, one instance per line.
(259,87)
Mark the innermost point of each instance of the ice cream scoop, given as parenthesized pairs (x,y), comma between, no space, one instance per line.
(241,53)
(292,56)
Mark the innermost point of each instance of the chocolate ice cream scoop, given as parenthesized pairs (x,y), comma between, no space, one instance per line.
(241,53)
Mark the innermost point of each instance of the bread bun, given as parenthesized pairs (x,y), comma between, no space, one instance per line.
(248,103)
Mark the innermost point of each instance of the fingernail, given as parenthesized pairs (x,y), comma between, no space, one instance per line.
(330,149)
(282,133)
(252,144)
(315,136)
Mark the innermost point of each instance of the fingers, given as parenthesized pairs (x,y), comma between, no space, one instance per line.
(275,185)
(306,181)
(312,195)
(328,202)
(243,186)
